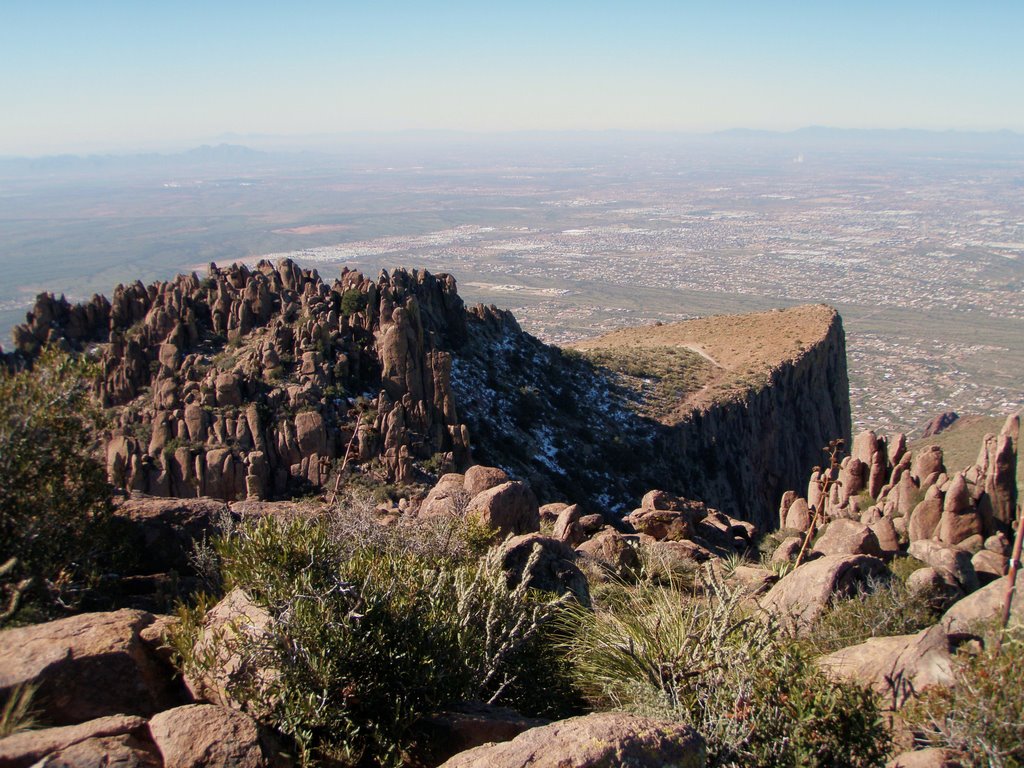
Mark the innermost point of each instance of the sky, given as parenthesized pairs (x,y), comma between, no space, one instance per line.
(107,76)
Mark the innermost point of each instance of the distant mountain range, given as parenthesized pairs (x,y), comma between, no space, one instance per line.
(262,148)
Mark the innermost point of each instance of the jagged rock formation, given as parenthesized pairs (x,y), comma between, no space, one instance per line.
(251,383)
(261,383)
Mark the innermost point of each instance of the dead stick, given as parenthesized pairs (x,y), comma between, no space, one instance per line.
(344,463)
(1011,580)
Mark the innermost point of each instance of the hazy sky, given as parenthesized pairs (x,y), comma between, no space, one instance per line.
(88,74)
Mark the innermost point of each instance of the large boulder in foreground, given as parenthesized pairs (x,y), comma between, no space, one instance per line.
(26,748)
(208,736)
(802,595)
(897,667)
(87,666)
(605,740)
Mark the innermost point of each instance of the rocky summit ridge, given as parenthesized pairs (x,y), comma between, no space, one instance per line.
(269,381)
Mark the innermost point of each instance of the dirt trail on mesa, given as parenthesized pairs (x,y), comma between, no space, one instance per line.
(698,349)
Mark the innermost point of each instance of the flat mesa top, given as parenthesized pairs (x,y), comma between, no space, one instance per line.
(697,362)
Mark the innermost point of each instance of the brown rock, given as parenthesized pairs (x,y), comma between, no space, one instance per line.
(470,725)
(802,595)
(954,562)
(896,667)
(787,549)
(959,519)
(989,565)
(227,626)
(798,517)
(888,538)
(924,520)
(927,464)
(310,433)
(601,740)
(664,500)
(480,479)
(925,758)
(104,752)
(507,508)
(28,747)
(549,512)
(87,666)
(448,497)
(984,605)
(567,528)
(613,552)
(553,570)
(847,537)
(167,529)
(207,736)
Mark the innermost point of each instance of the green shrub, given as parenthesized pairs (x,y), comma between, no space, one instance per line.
(882,608)
(981,717)
(353,300)
(368,635)
(55,503)
(754,696)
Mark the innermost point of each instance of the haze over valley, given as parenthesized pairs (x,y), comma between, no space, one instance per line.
(917,238)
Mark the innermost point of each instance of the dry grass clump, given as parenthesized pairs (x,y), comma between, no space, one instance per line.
(753,694)
(981,717)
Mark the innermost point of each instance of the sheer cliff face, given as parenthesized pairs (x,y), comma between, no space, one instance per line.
(260,382)
(742,454)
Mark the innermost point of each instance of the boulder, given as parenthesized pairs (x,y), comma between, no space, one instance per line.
(933,757)
(554,569)
(956,563)
(480,479)
(803,594)
(798,517)
(88,666)
(28,747)
(613,553)
(226,626)
(567,527)
(208,736)
(787,551)
(507,508)
(924,520)
(988,565)
(887,535)
(847,537)
(666,517)
(448,497)
(549,512)
(600,740)
(163,531)
(753,580)
(927,463)
(468,725)
(898,667)
(984,605)
(960,519)
(939,588)
(102,752)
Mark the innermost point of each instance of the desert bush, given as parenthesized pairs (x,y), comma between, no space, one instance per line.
(880,608)
(55,503)
(753,695)
(368,636)
(978,717)
(17,713)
